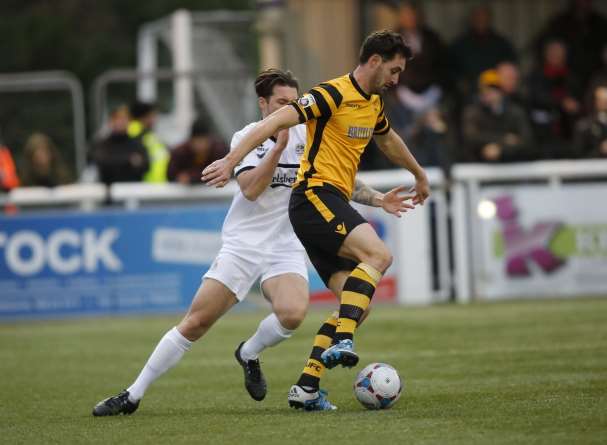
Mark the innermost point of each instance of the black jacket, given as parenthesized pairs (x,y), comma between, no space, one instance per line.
(120,158)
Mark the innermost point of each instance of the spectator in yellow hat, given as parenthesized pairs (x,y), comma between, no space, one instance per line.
(495,129)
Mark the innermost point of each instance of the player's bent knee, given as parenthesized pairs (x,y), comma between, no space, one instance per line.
(292,317)
(387,259)
(381,259)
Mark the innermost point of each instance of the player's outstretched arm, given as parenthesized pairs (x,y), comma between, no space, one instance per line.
(218,173)
(397,151)
(393,202)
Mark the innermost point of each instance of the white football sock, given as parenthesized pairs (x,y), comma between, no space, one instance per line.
(168,352)
(269,333)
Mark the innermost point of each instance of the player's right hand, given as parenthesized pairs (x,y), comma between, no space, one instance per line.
(282,139)
(218,173)
(421,189)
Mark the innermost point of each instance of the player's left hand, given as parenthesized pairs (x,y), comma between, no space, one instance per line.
(422,189)
(218,173)
(395,203)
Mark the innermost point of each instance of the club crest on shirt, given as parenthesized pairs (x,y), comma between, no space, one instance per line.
(299,149)
(307,100)
(261,151)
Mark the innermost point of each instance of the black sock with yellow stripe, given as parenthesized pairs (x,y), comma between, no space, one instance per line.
(314,369)
(355,298)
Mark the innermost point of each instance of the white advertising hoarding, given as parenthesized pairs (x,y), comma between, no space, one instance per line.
(541,241)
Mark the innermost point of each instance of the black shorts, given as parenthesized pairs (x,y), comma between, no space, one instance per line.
(322,218)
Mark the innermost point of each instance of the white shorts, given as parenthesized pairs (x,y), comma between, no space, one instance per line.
(238,272)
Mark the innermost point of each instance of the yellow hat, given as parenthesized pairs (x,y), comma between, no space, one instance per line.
(489,78)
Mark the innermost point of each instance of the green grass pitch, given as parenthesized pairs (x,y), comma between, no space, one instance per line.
(503,373)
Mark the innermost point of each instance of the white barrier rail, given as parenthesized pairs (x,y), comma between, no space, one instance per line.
(133,195)
(547,170)
(84,196)
(54,81)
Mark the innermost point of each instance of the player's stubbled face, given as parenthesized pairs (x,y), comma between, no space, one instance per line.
(281,96)
(387,74)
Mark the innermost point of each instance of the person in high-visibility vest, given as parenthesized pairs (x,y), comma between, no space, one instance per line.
(8,174)
(143,119)
(8,177)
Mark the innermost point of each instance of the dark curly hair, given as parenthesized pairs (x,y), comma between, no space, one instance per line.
(268,79)
(386,44)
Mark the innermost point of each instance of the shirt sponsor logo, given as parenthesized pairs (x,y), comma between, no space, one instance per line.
(299,149)
(360,132)
(282,179)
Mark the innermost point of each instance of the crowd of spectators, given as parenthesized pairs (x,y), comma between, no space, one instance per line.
(460,101)
(126,150)
(468,101)
(133,152)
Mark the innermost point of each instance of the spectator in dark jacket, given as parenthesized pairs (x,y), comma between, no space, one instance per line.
(190,158)
(510,82)
(419,120)
(591,132)
(480,48)
(429,64)
(495,129)
(584,31)
(414,107)
(554,101)
(120,158)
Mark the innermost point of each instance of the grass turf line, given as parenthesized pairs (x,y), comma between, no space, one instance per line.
(503,373)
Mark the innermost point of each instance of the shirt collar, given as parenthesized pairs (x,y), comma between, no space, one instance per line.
(358,88)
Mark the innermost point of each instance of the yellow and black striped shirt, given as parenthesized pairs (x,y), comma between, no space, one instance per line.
(341,119)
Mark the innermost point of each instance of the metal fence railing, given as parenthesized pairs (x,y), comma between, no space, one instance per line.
(44,81)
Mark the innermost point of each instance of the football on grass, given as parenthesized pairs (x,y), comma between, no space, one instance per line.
(378,386)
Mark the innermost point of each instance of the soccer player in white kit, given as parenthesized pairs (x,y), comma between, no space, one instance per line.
(258,243)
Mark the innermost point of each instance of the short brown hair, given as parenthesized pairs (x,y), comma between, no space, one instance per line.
(386,44)
(268,79)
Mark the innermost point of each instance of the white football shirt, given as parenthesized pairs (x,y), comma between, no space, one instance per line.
(263,225)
